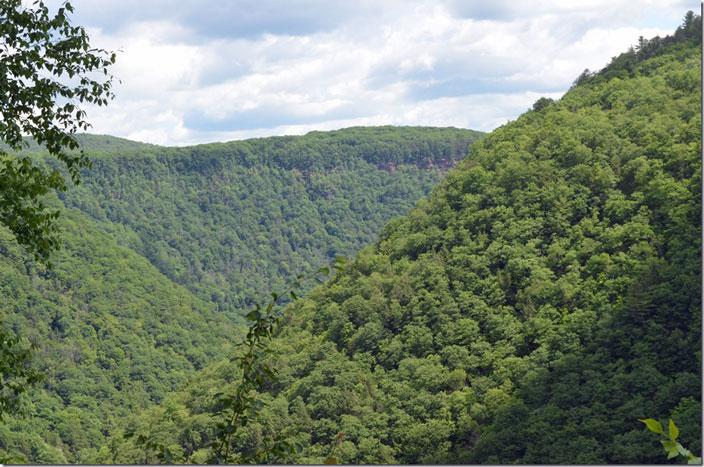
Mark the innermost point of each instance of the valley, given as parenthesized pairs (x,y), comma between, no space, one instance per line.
(519,296)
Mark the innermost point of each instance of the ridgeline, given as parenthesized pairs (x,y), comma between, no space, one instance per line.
(544,298)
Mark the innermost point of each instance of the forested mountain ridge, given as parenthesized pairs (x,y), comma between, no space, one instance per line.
(116,333)
(234,221)
(543,299)
(90,143)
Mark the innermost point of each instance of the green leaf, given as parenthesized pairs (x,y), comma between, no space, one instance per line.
(682,450)
(672,454)
(653,425)
(330,460)
(253,315)
(324,270)
(696,460)
(674,432)
(669,445)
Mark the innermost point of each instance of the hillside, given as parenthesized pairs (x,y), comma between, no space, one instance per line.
(91,143)
(114,337)
(543,298)
(234,221)
(165,246)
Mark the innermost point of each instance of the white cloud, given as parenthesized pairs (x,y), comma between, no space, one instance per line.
(411,63)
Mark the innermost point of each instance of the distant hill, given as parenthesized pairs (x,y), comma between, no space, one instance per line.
(235,221)
(91,143)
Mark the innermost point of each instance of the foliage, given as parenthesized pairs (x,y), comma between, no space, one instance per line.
(111,335)
(544,297)
(47,69)
(16,373)
(114,335)
(672,447)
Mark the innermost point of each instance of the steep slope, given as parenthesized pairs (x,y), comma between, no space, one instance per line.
(233,221)
(227,221)
(545,297)
(114,336)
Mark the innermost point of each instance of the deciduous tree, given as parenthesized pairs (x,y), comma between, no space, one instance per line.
(47,70)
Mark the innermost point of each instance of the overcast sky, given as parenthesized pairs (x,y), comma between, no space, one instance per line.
(196,71)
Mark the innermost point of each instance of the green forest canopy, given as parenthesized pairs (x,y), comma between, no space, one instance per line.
(543,298)
(233,221)
(164,247)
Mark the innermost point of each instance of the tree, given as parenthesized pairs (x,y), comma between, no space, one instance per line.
(542,103)
(15,372)
(47,69)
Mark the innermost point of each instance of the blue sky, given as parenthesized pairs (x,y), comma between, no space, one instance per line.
(203,71)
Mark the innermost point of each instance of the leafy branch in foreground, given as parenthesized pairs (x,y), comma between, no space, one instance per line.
(16,374)
(337,446)
(669,441)
(47,70)
(238,409)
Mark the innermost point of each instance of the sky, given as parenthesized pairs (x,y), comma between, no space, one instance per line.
(199,71)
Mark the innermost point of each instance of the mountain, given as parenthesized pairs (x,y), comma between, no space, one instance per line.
(235,221)
(91,143)
(166,247)
(545,297)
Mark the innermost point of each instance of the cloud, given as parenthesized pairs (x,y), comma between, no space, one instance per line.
(208,71)
(605,12)
(224,19)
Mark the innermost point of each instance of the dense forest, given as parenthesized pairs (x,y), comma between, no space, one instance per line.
(529,307)
(544,298)
(165,247)
(233,221)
